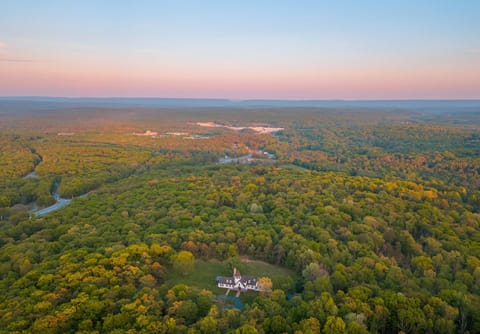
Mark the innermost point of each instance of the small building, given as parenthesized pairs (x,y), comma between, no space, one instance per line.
(238,283)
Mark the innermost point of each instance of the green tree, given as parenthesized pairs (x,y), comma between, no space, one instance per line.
(208,325)
(310,326)
(334,325)
(246,329)
(184,262)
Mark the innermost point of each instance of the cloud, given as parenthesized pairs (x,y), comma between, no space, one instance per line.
(3,45)
(476,51)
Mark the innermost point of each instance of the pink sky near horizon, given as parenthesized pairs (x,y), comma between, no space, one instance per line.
(96,80)
(43,73)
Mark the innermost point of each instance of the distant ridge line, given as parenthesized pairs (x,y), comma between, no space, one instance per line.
(157,102)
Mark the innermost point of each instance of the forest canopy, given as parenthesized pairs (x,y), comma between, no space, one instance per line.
(356,221)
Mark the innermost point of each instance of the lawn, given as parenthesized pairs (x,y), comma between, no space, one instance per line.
(205,273)
(203,276)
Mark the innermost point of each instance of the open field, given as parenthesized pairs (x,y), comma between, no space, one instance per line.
(205,273)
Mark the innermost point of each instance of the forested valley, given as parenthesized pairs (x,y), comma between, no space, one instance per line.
(366,221)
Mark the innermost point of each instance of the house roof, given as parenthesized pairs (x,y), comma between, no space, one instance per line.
(227,280)
(250,280)
(237,280)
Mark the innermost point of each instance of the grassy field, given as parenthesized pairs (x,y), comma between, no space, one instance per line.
(205,273)
(260,268)
(203,276)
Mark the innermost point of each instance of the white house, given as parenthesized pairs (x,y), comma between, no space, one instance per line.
(238,283)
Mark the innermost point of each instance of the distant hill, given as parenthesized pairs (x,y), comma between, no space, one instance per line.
(29,103)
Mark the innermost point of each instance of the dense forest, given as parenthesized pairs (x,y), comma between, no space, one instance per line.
(366,221)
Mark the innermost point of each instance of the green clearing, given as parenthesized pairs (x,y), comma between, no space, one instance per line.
(203,276)
(205,273)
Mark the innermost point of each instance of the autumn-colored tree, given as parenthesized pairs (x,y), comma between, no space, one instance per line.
(184,262)
(265,284)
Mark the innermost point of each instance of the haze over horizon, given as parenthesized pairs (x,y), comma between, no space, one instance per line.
(349,50)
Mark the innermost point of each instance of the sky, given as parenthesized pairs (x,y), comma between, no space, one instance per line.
(270,49)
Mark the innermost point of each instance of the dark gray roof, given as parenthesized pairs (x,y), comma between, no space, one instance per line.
(250,280)
(227,280)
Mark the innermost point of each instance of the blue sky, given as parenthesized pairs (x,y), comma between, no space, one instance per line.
(241,49)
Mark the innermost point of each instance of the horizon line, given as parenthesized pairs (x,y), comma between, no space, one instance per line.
(232,99)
